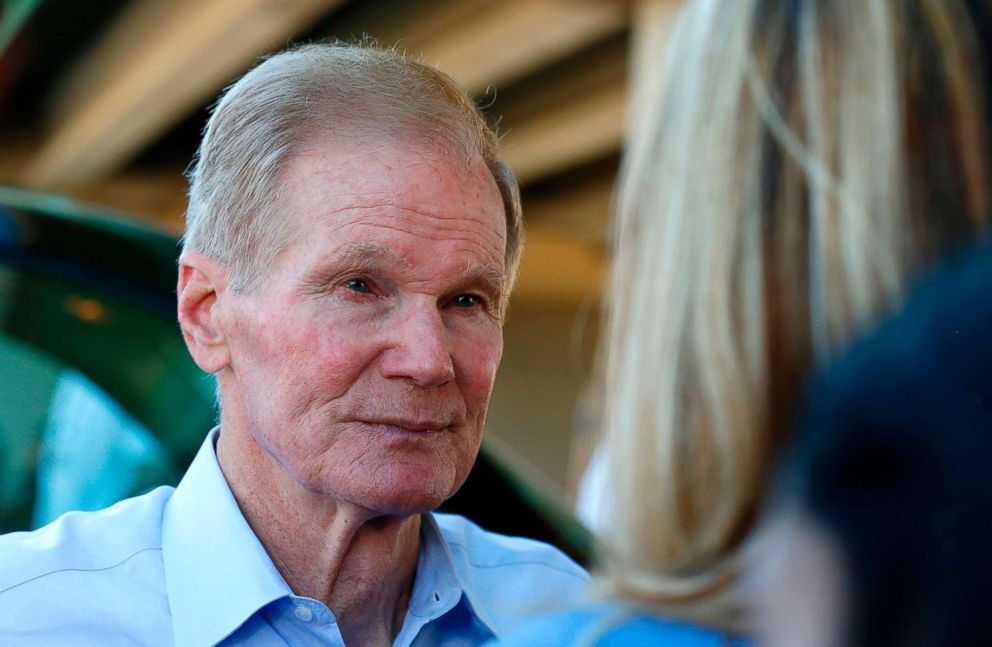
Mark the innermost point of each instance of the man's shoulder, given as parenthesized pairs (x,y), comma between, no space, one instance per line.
(78,543)
(482,549)
(508,578)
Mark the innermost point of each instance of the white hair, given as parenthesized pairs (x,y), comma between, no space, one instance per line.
(337,91)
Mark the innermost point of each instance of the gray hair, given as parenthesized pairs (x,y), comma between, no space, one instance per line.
(338,90)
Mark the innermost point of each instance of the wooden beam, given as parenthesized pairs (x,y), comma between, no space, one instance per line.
(406,25)
(484,43)
(160,61)
(567,134)
(507,40)
(579,210)
(566,115)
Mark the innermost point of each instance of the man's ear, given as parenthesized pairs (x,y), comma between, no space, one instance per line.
(201,282)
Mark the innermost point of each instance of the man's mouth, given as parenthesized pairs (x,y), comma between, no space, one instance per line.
(409,426)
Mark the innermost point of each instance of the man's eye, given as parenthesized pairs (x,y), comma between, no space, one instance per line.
(467,301)
(357,285)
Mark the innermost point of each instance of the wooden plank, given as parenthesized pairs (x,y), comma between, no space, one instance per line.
(484,43)
(504,41)
(568,134)
(160,61)
(579,208)
(566,115)
(408,26)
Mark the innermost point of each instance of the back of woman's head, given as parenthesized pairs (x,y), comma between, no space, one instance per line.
(885,497)
(799,162)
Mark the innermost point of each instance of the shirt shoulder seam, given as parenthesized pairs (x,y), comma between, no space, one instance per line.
(518,562)
(79,570)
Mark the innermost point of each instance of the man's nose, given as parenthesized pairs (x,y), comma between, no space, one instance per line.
(420,351)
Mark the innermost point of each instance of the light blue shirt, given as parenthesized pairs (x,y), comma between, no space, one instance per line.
(181,566)
(612,624)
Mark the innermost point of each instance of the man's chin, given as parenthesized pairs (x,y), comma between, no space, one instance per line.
(406,494)
(400,504)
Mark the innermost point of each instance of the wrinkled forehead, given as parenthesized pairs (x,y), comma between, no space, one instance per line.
(420,190)
(343,175)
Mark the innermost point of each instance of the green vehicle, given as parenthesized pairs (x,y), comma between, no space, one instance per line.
(99,399)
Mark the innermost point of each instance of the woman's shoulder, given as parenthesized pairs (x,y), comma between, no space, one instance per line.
(612,625)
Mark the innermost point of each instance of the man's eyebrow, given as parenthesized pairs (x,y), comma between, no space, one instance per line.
(358,257)
(367,254)
(492,280)
(368,257)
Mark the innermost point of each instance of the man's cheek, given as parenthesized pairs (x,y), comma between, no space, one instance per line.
(487,364)
(315,365)
(338,349)
(478,386)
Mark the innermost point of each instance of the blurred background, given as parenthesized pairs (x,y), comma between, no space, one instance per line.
(102,103)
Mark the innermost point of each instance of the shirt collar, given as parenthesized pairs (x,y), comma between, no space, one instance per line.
(217,573)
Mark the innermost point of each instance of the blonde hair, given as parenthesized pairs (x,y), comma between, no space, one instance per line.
(340,92)
(799,162)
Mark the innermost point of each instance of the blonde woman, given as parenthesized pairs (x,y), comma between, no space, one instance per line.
(799,163)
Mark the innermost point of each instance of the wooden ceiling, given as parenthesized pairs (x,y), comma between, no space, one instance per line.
(114,115)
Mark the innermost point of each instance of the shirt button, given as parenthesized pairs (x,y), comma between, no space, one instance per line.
(303,613)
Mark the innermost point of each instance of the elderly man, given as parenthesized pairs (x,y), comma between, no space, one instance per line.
(351,241)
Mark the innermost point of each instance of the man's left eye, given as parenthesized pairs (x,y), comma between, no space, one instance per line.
(357,285)
(467,301)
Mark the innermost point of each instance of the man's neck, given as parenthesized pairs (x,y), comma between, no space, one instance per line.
(360,565)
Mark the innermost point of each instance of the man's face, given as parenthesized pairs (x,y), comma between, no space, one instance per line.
(363,365)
